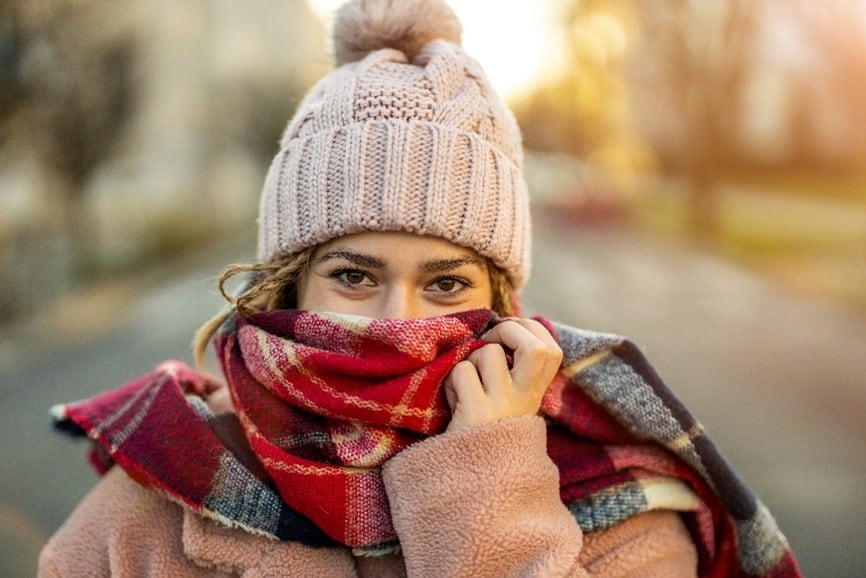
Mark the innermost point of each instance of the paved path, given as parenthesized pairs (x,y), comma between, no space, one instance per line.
(776,380)
(100,340)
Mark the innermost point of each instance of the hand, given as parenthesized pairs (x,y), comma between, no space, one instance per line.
(482,388)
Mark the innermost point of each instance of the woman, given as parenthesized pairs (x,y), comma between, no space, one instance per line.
(386,411)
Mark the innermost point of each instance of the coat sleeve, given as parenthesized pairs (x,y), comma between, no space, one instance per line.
(651,545)
(121,529)
(485,502)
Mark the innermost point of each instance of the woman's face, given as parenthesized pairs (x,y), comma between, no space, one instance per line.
(396,276)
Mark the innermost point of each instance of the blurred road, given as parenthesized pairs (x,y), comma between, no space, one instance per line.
(83,346)
(777,381)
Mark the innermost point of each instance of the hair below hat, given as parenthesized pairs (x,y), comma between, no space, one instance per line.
(405,134)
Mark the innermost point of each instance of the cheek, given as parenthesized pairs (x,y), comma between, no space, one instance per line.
(316,294)
(483,296)
(484,300)
(306,292)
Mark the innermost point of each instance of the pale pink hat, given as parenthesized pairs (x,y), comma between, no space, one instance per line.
(405,134)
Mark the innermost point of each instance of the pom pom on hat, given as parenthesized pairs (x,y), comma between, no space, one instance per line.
(364,26)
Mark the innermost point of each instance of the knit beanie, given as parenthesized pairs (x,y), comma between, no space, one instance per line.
(405,134)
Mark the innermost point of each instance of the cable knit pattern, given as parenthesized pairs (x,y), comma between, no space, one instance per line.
(392,144)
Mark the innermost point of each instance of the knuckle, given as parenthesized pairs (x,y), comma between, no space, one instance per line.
(463,368)
(491,350)
(510,324)
(536,350)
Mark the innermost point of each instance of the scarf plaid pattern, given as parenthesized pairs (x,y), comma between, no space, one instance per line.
(324,400)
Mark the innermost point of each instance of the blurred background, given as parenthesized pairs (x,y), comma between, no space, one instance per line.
(698,176)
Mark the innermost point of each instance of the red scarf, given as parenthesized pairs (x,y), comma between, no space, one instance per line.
(324,400)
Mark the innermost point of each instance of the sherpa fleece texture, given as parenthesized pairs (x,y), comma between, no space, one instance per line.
(499,514)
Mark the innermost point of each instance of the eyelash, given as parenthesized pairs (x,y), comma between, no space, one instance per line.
(463,284)
(339,276)
(340,273)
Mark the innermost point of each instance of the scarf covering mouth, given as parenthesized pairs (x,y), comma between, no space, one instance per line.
(324,400)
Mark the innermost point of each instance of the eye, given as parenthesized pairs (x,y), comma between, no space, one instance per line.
(449,285)
(353,278)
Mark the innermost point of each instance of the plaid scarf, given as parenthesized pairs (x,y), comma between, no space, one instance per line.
(324,400)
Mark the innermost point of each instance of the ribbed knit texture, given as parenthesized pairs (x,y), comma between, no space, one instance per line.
(385,144)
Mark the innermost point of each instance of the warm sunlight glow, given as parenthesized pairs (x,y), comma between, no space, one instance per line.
(516,42)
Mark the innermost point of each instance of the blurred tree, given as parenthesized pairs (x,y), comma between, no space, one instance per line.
(689,77)
(836,32)
(11,89)
(580,111)
(71,80)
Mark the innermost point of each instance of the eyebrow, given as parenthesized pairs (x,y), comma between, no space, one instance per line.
(435,266)
(443,265)
(356,258)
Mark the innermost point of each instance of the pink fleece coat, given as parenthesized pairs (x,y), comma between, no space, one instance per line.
(478,502)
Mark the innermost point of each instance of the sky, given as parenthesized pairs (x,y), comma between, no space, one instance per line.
(514,41)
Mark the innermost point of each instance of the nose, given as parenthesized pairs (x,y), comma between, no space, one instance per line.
(400,302)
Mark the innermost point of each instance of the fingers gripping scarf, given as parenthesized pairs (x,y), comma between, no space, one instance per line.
(325,400)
